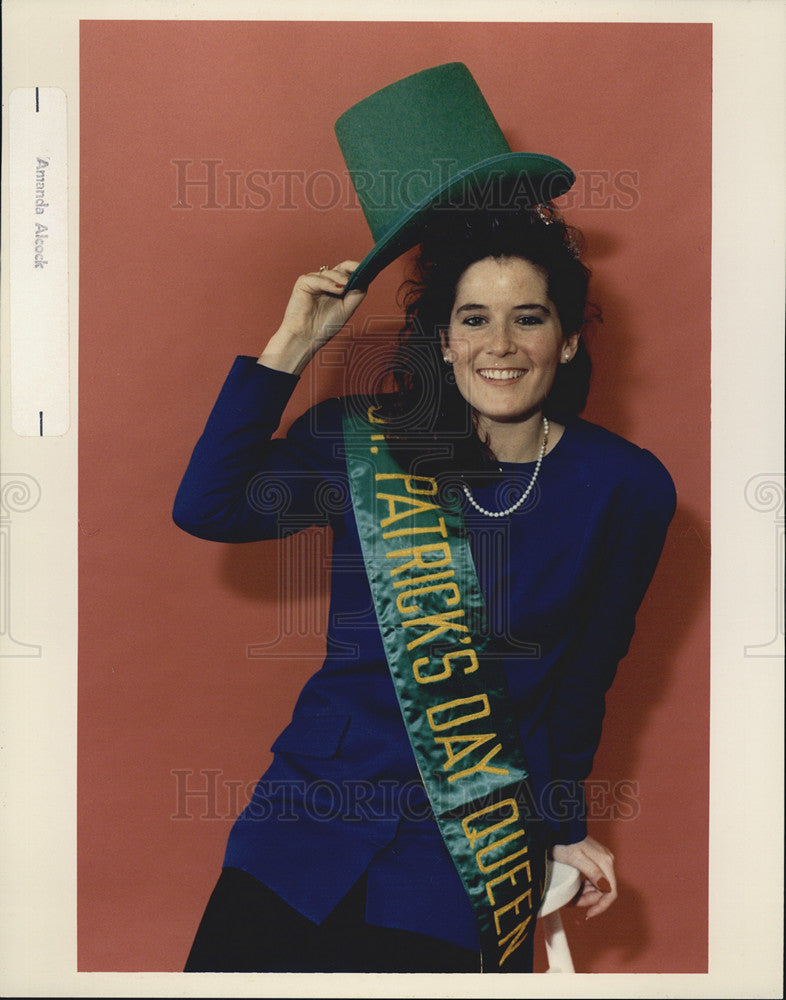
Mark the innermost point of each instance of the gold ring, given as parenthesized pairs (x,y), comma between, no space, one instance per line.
(323,268)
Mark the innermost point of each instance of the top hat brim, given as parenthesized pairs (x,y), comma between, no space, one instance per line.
(544,177)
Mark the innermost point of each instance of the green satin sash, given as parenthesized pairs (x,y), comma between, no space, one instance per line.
(454,703)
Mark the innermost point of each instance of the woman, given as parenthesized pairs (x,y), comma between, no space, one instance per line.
(338,863)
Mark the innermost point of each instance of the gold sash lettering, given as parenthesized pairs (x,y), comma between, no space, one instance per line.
(495,833)
(508,938)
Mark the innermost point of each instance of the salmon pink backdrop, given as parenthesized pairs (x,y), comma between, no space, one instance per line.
(210,178)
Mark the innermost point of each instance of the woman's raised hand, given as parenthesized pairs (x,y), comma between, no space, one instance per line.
(316,311)
(596,864)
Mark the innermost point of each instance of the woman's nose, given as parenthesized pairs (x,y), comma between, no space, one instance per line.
(499,339)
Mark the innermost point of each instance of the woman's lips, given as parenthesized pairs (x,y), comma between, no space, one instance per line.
(502,375)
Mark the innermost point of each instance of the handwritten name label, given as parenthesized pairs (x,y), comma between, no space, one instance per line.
(38,261)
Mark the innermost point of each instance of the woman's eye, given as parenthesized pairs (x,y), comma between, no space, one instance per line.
(524,320)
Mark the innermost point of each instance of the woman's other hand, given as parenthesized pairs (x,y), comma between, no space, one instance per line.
(316,311)
(596,864)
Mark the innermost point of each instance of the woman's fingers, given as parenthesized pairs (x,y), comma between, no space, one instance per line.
(597,902)
(347,266)
(331,281)
(600,887)
(317,309)
(596,864)
(588,896)
(341,273)
(338,272)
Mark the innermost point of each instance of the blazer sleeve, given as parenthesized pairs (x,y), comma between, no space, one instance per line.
(644,506)
(240,484)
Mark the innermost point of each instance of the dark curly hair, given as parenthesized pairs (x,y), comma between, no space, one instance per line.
(425,410)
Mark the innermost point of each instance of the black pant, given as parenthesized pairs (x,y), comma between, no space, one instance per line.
(246,927)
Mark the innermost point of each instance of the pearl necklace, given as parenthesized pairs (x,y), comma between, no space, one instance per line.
(526,493)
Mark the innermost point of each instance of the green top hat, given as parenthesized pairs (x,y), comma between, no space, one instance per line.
(430,140)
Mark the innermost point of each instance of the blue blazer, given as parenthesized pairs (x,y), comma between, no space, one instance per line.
(562,577)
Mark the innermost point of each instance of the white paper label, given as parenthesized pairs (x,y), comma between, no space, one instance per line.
(38,247)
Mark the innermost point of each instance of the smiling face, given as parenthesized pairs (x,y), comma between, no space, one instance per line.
(505,340)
